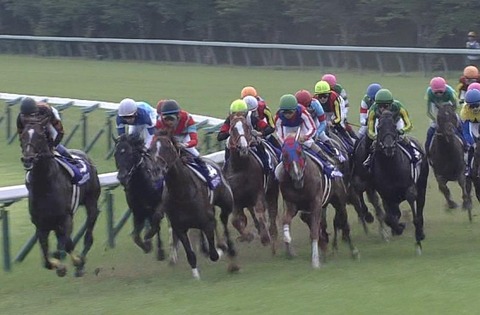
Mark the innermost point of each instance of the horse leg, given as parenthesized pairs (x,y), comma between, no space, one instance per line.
(50,263)
(173,243)
(316,217)
(160,252)
(392,215)
(466,197)
(231,252)
(272,209)
(191,257)
(360,207)
(260,214)
(240,223)
(442,186)
(138,225)
(379,213)
(289,213)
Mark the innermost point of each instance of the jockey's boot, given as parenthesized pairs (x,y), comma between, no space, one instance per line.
(64,152)
(264,157)
(204,170)
(428,142)
(329,166)
(368,161)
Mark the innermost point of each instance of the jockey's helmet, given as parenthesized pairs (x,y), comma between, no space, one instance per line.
(372,89)
(322,87)
(28,106)
(303,97)
(330,79)
(472,97)
(248,90)
(170,107)
(473,86)
(470,72)
(238,106)
(438,85)
(288,102)
(252,103)
(127,107)
(159,106)
(384,96)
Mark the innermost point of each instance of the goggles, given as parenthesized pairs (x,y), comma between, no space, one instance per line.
(169,117)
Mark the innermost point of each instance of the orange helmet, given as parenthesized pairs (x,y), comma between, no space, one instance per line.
(159,106)
(248,90)
(470,72)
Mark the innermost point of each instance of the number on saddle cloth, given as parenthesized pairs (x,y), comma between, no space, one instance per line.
(78,168)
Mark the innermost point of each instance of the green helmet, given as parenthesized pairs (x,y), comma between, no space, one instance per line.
(322,87)
(28,106)
(238,106)
(384,96)
(288,102)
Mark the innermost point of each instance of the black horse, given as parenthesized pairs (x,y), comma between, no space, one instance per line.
(396,180)
(446,156)
(143,184)
(190,204)
(52,197)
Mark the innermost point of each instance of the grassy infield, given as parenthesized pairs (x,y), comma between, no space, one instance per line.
(389,278)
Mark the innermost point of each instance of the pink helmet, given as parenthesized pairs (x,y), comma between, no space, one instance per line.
(473,86)
(331,79)
(438,84)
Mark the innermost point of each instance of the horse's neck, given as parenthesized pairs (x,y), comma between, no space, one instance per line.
(392,162)
(178,178)
(238,162)
(44,171)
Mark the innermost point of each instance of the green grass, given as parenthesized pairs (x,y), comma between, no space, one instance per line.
(388,278)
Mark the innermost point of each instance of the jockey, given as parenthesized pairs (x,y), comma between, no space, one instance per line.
(470,115)
(470,75)
(259,128)
(365,105)
(290,117)
(180,124)
(264,112)
(39,110)
(315,110)
(384,101)
(333,106)
(141,118)
(337,88)
(438,93)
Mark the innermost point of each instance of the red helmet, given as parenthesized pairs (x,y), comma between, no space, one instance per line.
(303,97)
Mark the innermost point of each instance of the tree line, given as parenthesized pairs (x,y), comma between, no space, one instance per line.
(410,23)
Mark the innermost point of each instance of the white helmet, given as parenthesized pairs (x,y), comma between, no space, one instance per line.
(252,103)
(127,107)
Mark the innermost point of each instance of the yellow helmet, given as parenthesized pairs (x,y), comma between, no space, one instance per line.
(238,106)
(470,72)
(322,87)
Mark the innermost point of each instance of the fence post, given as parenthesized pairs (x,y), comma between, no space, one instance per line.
(110,227)
(7,265)
(62,107)
(110,114)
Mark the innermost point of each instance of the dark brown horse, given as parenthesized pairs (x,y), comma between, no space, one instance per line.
(143,184)
(446,156)
(251,189)
(474,178)
(190,204)
(305,188)
(52,197)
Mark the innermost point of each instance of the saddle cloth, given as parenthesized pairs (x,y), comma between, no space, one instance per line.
(214,178)
(78,168)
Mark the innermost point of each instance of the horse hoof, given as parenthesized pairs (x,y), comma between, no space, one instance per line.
(79,272)
(369,218)
(356,254)
(233,268)
(160,255)
(467,206)
(59,254)
(61,271)
(452,205)
(214,255)
(147,247)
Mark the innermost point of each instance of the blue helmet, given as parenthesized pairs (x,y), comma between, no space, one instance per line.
(472,97)
(372,89)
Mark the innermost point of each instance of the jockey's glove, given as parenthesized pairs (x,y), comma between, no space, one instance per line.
(401,132)
(256,133)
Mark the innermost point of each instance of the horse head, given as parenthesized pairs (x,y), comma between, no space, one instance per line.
(387,134)
(240,135)
(447,121)
(129,155)
(294,160)
(165,151)
(35,143)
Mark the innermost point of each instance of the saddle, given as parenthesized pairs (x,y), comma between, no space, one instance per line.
(209,175)
(77,168)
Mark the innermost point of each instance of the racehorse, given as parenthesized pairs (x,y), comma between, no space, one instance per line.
(53,199)
(143,184)
(305,188)
(396,180)
(446,156)
(251,188)
(190,204)
(474,177)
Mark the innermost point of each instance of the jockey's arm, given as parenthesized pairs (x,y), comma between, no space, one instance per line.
(338,112)
(430,110)
(406,119)
(224,131)
(363,113)
(192,132)
(269,116)
(310,128)
(58,126)
(149,136)
(120,126)
(371,124)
